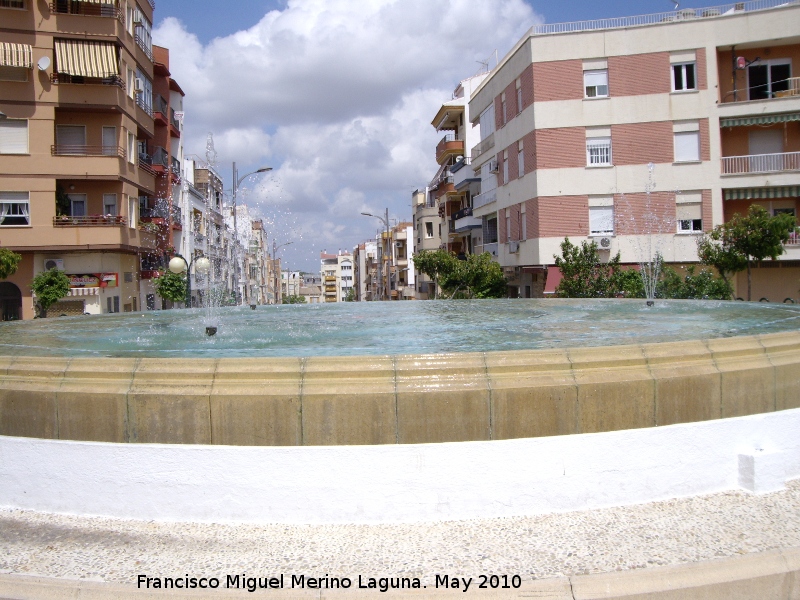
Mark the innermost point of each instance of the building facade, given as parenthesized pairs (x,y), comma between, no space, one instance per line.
(641,136)
(76,88)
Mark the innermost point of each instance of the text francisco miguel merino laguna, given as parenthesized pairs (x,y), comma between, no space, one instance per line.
(383,584)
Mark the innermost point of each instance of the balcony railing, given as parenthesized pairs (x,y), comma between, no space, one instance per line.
(484,199)
(143,45)
(175,166)
(444,178)
(87,9)
(784,88)
(173,121)
(485,145)
(89,221)
(70,150)
(160,158)
(141,102)
(464,212)
(64,78)
(761,163)
(684,14)
(160,106)
(794,239)
(450,142)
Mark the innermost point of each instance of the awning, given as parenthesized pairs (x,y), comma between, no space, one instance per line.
(16,55)
(82,58)
(765,193)
(92,291)
(759,120)
(553,279)
(111,2)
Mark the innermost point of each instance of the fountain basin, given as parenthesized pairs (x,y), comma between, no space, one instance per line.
(403,399)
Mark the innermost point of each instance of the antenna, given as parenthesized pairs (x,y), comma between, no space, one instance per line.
(677,4)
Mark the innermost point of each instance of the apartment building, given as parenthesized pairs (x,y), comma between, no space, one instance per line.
(428,230)
(76,97)
(365,266)
(455,184)
(640,133)
(336,272)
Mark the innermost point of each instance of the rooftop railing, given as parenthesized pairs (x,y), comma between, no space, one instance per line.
(683,14)
(87,9)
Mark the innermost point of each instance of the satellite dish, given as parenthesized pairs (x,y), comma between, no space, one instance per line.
(43,63)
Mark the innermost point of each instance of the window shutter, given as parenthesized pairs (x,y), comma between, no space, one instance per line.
(688,212)
(14,136)
(70,135)
(687,146)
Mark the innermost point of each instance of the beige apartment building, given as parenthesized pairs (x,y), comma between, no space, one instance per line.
(640,133)
(76,93)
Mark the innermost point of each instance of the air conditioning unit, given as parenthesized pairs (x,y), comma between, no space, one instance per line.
(399,244)
(513,247)
(138,85)
(605,243)
(493,166)
(53,263)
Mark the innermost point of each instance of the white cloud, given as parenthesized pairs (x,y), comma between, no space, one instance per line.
(337,96)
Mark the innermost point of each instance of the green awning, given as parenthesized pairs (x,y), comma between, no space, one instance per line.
(765,193)
(759,120)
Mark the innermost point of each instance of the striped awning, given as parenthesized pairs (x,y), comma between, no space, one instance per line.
(84,58)
(759,120)
(83,292)
(16,55)
(112,2)
(765,193)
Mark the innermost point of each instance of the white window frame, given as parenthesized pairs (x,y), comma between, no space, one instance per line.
(15,205)
(686,226)
(596,89)
(769,63)
(595,151)
(11,141)
(520,160)
(683,66)
(519,95)
(133,210)
(131,149)
(687,146)
(428,226)
(599,216)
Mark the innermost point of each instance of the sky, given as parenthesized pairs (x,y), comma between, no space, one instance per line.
(337,96)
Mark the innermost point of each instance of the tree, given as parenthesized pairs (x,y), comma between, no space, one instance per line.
(350,297)
(171,286)
(9,261)
(584,276)
(703,286)
(477,277)
(294,300)
(434,264)
(49,287)
(732,246)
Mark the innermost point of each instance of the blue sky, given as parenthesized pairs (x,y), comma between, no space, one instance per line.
(337,96)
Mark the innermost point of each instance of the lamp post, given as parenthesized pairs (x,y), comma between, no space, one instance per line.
(274,267)
(237,181)
(178,264)
(385,221)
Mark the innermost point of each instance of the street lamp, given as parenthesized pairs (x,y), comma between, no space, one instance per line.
(274,266)
(178,264)
(237,181)
(385,221)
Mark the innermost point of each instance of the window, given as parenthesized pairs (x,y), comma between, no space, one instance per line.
(768,77)
(14,136)
(523,223)
(132,201)
(683,78)
(144,96)
(782,211)
(71,139)
(601,220)
(77,205)
(689,217)
(129,18)
(130,82)
(687,146)
(508,226)
(131,148)
(595,83)
(490,230)
(110,141)
(520,160)
(110,204)
(14,209)
(519,96)
(12,4)
(503,108)
(429,229)
(598,151)
(505,166)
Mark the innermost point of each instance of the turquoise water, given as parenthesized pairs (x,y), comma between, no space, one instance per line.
(373,328)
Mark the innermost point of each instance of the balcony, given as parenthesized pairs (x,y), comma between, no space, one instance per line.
(160,109)
(175,167)
(761,163)
(86,9)
(491,248)
(485,145)
(65,150)
(777,90)
(90,221)
(450,145)
(64,78)
(174,124)
(143,45)
(794,239)
(142,103)
(146,163)
(160,160)
(484,199)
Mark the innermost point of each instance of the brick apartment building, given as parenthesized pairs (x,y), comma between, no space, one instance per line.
(579,121)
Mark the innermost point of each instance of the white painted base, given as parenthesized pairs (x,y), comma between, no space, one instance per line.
(397,483)
(763,471)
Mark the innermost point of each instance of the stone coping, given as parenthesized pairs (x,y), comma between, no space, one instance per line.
(773,575)
(406,399)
